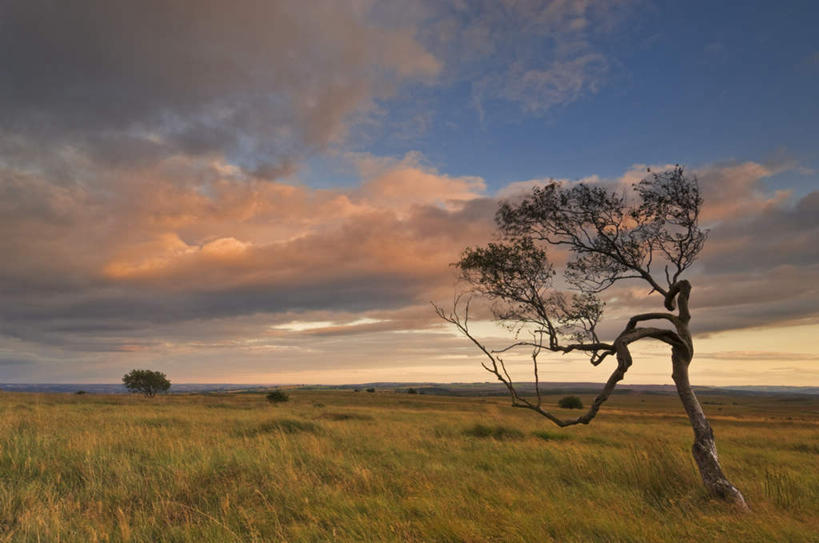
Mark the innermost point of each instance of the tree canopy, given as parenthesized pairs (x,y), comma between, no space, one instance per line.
(147,382)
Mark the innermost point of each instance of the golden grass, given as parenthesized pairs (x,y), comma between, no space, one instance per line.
(346,466)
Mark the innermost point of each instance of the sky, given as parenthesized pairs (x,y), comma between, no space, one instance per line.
(274,191)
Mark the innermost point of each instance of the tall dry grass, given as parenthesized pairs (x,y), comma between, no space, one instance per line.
(345,466)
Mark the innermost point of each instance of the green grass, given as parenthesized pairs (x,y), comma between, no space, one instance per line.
(341,466)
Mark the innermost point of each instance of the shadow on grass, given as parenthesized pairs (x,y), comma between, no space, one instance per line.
(494,432)
(164,422)
(223,405)
(287,426)
(550,436)
(344,416)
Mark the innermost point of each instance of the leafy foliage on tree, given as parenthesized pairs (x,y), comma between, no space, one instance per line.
(147,382)
(648,233)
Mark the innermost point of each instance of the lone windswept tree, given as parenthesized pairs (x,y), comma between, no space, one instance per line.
(649,233)
(147,382)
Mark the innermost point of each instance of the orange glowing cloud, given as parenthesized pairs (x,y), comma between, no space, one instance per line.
(191,248)
(406,221)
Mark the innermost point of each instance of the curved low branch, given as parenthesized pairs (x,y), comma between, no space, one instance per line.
(624,361)
(497,367)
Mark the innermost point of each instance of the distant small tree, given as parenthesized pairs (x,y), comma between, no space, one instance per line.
(649,234)
(370,390)
(80,392)
(412,391)
(570,402)
(277,396)
(147,382)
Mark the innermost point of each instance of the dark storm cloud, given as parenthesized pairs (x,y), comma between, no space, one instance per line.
(259,80)
(776,236)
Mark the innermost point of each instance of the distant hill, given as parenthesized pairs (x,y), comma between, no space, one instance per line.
(498,389)
(118,388)
(449,389)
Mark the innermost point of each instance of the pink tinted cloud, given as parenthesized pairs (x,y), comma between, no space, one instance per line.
(194,240)
(406,221)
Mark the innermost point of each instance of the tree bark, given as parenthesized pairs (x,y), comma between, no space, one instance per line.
(705,448)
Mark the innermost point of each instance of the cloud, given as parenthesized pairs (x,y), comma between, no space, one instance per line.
(404,184)
(192,242)
(560,82)
(152,207)
(761,261)
(758,355)
(732,190)
(259,81)
(535,54)
(774,236)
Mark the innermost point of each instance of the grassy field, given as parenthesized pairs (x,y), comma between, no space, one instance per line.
(355,466)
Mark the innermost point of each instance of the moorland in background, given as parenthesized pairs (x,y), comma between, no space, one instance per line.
(340,465)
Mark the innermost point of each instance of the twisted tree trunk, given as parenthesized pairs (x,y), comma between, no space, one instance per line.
(704,448)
